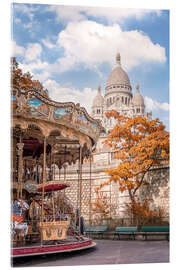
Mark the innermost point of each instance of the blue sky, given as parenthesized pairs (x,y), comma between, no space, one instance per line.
(72,49)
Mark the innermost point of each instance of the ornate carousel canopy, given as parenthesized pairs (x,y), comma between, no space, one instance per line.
(66,126)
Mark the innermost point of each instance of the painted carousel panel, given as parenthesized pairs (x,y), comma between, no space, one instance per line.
(63,113)
(38,108)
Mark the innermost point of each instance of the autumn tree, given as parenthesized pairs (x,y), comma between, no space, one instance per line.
(139,145)
(20,80)
(100,206)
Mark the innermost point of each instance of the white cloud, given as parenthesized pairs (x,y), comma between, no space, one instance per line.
(155,105)
(120,14)
(17,20)
(65,94)
(48,44)
(33,51)
(92,44)
(42,76)
(33,66)
(28,26)
(26,9)
(67,13)
(16,49)
(75,13)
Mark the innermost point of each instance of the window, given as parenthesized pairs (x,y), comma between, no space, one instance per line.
(126,100)
(122,99)
(137,110)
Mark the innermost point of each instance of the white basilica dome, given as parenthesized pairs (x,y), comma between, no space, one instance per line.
(118,77)
(118,80)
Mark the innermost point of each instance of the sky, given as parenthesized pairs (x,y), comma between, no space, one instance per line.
(72,49)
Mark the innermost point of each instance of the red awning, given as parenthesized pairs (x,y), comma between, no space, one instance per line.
(53,187)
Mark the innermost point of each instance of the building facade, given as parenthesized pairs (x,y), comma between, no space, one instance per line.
(119,97)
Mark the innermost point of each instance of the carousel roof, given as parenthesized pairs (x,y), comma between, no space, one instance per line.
(66,126)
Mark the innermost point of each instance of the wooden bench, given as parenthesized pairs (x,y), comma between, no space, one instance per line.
(96,230)
(125,231)
(155,230)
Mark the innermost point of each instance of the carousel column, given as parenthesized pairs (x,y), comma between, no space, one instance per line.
(44,178)
(20,168)
(80,187)
(90,191)
(64,192)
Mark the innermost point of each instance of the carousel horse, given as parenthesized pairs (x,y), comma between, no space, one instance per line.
(19,227)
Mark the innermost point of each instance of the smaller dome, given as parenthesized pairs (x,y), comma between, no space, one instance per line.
(98,100)
(138,100)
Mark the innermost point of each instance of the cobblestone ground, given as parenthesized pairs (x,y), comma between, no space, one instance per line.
(105,252)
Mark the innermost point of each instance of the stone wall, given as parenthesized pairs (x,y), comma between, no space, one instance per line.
(158,190)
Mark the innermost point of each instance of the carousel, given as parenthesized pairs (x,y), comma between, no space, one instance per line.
(47,136)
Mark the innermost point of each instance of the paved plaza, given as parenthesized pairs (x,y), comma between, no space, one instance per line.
(105,252)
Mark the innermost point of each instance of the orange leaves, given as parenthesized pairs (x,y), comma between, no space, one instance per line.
(20,79)
(139,144)
(101,204)
(142,210)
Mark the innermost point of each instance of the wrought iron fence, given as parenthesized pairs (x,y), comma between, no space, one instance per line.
(134,221)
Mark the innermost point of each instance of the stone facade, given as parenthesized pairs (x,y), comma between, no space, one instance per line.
(158,190)
(119,97)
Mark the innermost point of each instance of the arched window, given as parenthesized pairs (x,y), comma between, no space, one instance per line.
(126,100)
(137,110)
(122,99)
